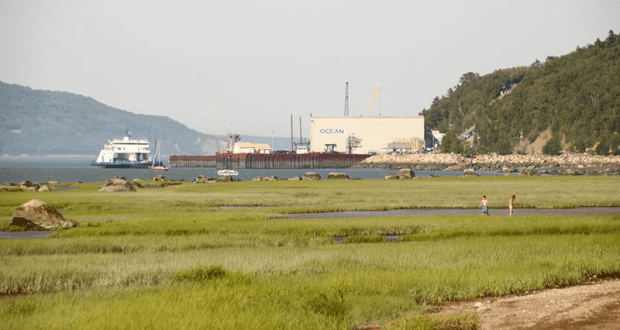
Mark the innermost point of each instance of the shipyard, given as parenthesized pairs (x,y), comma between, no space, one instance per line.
(335,142)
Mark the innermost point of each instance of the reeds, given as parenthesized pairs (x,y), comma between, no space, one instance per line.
(173,258)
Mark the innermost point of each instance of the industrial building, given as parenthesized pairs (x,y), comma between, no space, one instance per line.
(251,148)
(364,135)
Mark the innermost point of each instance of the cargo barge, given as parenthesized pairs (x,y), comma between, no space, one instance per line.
(288,160)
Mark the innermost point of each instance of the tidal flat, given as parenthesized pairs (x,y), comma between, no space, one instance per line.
(228,256)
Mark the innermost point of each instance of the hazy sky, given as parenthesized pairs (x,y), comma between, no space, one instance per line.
(246,66)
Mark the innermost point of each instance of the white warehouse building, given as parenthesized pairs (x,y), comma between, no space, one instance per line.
(365,135)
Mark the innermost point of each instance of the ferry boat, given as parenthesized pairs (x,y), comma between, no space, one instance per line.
(125,153)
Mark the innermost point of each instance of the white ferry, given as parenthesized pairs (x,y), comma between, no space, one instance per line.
(125,153)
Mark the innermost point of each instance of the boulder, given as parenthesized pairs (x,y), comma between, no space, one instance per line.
(136,183)
(311,176)
(405,173)
(272,177)
(225,178)
(469,172)
(390,176)
(295,178)
(337,176)
(116,178)
(27,185)
(204,179)
(258,178)
(37,215)
(118,184)
(43,188)
(158,178)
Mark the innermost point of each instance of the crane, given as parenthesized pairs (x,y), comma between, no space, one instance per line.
(372,100)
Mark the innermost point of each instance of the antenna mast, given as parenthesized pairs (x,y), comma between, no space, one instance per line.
(292,142)
(346,101)
(301,140)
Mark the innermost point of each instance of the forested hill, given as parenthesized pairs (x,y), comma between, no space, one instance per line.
(37,122)
(576,96)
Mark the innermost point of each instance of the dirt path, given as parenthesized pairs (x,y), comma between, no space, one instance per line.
(589,307)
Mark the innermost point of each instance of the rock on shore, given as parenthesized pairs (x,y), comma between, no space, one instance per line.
(337,176)
(570,163)
(37,215)
(118,184)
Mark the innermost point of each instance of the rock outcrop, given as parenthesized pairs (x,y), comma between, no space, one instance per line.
(204,179)
(27,185)
(158,178)
(118,184)
(577,163)
(469,172)
(225,178)
(311,176)
(405,173)
(390,176)
(450,159)
(337,176)
(37,215)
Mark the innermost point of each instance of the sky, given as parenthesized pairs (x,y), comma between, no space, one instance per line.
(246,66)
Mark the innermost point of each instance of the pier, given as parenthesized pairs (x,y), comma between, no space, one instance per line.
(268,161)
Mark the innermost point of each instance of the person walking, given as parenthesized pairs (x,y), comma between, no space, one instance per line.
(511,204)
(484,204)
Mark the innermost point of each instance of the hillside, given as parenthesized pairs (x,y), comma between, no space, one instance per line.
(575,98)
(36,122)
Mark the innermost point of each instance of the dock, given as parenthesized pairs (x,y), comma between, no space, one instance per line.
(267,161)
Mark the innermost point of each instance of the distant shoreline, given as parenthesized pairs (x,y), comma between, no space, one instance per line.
(568,164)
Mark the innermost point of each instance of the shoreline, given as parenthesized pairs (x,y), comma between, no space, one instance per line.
(568,164)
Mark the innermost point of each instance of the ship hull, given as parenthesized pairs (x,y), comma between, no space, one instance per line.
(121,164)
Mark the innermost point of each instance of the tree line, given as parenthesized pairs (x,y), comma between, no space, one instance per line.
(576,96)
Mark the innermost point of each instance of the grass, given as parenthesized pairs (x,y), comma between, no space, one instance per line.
(174,258)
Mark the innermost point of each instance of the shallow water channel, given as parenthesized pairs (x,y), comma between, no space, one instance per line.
(428,212)
(393,238)
(517,212)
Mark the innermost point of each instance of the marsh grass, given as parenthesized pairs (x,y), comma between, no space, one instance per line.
(173,258)
(459,321)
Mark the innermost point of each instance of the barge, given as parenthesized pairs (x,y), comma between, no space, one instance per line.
(288,160)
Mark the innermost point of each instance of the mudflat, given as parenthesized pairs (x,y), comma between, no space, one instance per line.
(592,306)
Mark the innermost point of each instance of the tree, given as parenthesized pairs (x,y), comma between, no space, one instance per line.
(451,143)
(468,78)
(611,37)
(553,147)
(576,94)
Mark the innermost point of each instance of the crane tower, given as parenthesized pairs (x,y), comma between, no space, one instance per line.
(373,100)
(346,101)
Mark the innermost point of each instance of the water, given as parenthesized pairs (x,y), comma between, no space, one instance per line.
(43,169)
(474,211)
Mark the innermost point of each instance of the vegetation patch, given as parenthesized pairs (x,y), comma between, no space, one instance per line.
(200,274)
(459,321)
(173,258)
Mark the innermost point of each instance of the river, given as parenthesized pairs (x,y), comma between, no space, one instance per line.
(74,169)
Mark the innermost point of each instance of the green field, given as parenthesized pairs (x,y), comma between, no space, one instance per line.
(226,255)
